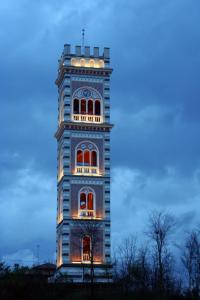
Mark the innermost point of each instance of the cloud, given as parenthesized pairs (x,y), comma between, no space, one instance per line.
(154,104)
(135,194)
(28,213)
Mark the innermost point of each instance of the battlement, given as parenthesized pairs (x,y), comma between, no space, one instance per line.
(84,57)
(86,52)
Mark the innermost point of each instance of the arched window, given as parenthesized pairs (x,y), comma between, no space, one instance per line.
(93,158)
(76,106)
(86,248)
(83,202)
(83,106)
(87,154)
(86,105)
(90,201)
(86,202)
(90,107)
(82,62)
(97,108)
(79,157)
(86,158)
(92,63)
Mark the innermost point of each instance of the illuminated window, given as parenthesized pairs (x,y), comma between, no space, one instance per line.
(90,107)
(93,158)
(87,160)
(86,105)
(86,248)
(86,203)
(87,154)
(82,62)
(101,63)
(83,201)
(92,63)
(80,157)
(83,106)
(90,201)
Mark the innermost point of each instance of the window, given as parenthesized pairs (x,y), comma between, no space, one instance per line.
(87,158)
(90,107)
(97,108)
(87,154)
(83,201)
(86,203)
(76,106)
(83,106)
(86,248)
(79,157)
(94,158)
(87,105)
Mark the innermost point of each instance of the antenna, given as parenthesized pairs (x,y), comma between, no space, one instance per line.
(38,254)
(83,37)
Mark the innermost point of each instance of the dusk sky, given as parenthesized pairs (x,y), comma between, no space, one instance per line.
(155,106)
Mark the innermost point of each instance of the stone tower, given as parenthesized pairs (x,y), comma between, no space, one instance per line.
(83,155)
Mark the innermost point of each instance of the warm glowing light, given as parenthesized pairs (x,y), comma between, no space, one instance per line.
(59,218)
(87,118)
(87,63)
(86,171)
(60,175)
(87,262)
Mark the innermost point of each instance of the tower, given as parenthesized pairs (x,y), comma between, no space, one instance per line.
(83,169)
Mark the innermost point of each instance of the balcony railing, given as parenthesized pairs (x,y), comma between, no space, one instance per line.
(86,213)
(87,118)
(86,257)
(83,170)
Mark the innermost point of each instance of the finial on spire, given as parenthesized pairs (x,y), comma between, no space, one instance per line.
(83,37)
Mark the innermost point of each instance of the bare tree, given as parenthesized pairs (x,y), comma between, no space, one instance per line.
(160,228)
(143,273)
(126,260)
(191,260)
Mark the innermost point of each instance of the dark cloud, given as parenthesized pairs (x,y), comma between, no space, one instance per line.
(155,48)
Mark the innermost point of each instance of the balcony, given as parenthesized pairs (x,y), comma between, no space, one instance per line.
(86,257)
(88,171)
(87,213)
(87,118)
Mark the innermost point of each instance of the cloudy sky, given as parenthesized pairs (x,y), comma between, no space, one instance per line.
(155,53)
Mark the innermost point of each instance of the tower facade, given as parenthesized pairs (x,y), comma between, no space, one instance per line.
(83,155)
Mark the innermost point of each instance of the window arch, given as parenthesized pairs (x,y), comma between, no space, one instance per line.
(87,154)
(87,202)
(87,103)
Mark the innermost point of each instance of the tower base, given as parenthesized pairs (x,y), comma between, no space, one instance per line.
(79,273)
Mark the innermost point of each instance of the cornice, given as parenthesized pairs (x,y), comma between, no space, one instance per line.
(103,127)
(72,70)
